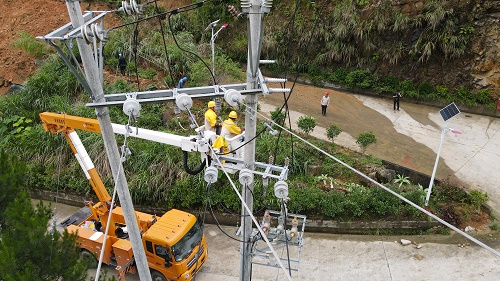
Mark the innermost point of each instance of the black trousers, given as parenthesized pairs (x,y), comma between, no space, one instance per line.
(323,109)
(396,105)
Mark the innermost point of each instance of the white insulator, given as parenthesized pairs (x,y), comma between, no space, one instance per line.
(279,90)
(86,34)
(126,8)
(232,97)
(281,189)
(97,32)
(134,7)
(266,6)
(246,176)
(211,174)
(277,80)
(267,61)
(184,102)
(132,108)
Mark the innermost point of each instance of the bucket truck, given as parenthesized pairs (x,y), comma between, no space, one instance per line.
(174,243)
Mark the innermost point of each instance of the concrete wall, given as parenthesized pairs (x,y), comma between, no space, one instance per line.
(322,226)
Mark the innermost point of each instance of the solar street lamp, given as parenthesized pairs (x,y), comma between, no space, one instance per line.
(447,113)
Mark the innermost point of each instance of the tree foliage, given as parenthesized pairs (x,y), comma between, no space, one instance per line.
(27,250)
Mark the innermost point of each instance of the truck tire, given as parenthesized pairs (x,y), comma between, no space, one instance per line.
(89,258)
(156,276)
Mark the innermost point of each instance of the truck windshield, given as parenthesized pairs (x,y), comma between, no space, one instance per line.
(185,246)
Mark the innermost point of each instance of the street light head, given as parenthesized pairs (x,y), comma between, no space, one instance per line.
(224,25)
(455,131)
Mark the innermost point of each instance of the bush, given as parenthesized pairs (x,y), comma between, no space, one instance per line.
(339,75)
(360,79)
(365,139)
(477,198)
(425,90)
(483,97)
(306,124)
(333,131)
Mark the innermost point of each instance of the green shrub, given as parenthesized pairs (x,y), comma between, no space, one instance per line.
(425,89)
(477,198)
(306,124)
(332,203)
(333,131)
(149,73)
(365,139)
(383,203)
(360,79)
(447,191)
(483,97)
(494,225)
(339,75)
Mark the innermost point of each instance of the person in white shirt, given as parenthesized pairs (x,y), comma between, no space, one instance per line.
(325,101)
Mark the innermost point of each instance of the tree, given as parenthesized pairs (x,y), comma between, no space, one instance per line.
(27,250)
(306,124)
(11,177)
(365,139)
(333,131)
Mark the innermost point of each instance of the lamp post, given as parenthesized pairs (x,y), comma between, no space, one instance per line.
(429,190)
(212,41)
(212,45)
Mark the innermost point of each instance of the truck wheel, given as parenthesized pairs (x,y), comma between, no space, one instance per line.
(88,258)
(156,276)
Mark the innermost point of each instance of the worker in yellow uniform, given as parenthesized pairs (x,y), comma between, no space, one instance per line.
(229,127)
(211,118)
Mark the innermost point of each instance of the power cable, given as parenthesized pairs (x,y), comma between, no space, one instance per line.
(188,51)
(134,50)
(283,208)
(306,49)
(392,192)
(164,43)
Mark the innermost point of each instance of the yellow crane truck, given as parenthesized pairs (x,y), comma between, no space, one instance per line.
(174,243)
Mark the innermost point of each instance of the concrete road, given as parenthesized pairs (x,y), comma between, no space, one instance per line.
(351,257)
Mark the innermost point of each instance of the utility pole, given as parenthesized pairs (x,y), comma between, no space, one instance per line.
(97,95)
(255,29)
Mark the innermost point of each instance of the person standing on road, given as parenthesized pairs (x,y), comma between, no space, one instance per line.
(182,82)
(396,98)
(122,63)
(325,102)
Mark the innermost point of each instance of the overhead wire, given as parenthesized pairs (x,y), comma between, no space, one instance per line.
(390,191)
(303,57)
(164,43)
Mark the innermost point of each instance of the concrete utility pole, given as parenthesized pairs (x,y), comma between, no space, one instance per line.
(255,30)
(97,95)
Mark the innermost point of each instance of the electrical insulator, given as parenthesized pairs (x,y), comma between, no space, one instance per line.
(293,231)
(266,221)
(233,10)
(280,227)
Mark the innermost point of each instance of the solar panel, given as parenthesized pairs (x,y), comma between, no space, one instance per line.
(449,111)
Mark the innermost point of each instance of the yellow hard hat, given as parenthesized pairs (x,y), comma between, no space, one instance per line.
(211,104)
(233,114)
